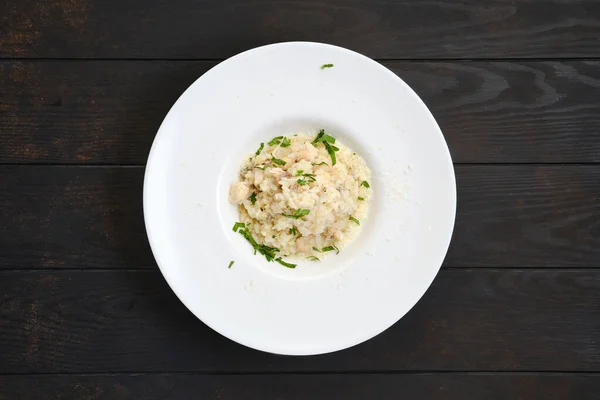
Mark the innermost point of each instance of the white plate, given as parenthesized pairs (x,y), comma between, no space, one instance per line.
(317,307)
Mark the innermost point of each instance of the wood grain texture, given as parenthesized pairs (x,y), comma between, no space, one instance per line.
(469,320)
(91,217)
(300,387)
(108,112)
(380,28)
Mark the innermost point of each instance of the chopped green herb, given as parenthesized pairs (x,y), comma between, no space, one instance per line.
(365,184)
(299,172)
(268,252)
(327,140)
(250,159)
(354,220)
(331,248)
(353,154)
(262,146)
(230,264)
(275,140)
(317,250)
(293,231)
(313,258)
(253,198)
(301,182)
(273,237)
(319,136)
(277,160)
(326,66)
(238,225)
(263,167)
(321,163)
(286,142)
(331,150)
(361,198)
(298,214)
(280,261)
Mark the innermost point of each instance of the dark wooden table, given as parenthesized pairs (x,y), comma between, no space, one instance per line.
(513,314)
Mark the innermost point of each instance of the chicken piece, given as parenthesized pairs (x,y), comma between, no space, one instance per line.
(238,192)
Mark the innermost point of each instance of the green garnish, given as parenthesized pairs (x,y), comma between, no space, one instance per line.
(317,250)
(238,225)
(268,252)
(331,150)
(275,140)
(280,261)
(310,177)
(253,198)
(263,167)
(327,140)
(365,184)
(273,237)
(354,220)
(262,146)
(321,163)
(326,66)
(319,136)
(298,214)
(331,248)
(277,160)
(361,198)
(293,231)
(286,142)
(313,258)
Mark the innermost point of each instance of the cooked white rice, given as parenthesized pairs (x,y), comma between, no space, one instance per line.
(331,199)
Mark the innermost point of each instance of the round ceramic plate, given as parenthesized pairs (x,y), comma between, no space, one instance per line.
(317,307)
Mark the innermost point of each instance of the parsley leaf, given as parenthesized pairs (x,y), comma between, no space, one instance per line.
(253,198)
(280,261)
(230,264)
(277,160)
(238,225)
(326,66)
(298,214)
(262,146)
(275,140)
(365,184)
(286,142)
(354,220)
(331,248)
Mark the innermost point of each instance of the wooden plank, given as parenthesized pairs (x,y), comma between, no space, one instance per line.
(130,321)
(108,112)
(305,386)
(380,28)
(91,217)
